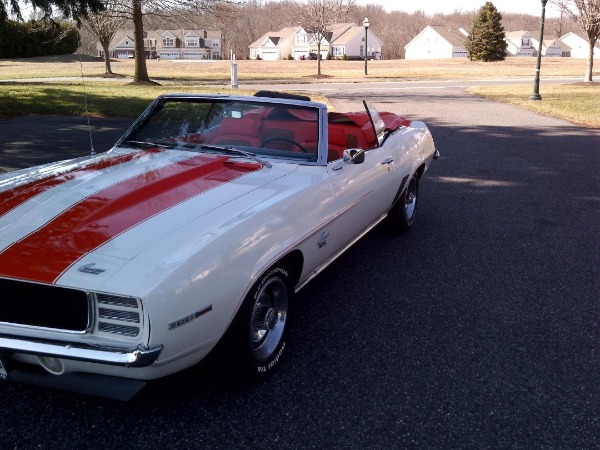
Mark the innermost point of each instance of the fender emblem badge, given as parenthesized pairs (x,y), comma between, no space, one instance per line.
(89,268)
(188,319)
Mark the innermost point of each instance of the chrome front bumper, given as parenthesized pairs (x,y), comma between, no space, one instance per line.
(134,357)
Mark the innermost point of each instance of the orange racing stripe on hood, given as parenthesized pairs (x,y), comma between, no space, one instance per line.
(46,253)
(12,198)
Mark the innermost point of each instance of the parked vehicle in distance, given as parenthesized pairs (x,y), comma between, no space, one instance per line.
(191,235)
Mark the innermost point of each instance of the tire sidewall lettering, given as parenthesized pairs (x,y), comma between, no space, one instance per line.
(273,362)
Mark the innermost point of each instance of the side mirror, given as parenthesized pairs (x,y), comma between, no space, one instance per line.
(354,156)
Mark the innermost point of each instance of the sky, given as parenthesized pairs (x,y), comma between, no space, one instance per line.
(533,7)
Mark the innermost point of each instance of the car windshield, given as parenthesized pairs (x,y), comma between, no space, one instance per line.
(256,127)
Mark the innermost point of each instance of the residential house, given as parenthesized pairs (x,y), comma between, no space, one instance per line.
(519,43)
(280,44)
(551,48)
(167,44)
(437,41)
(348,41)
(580,47)
(342,40)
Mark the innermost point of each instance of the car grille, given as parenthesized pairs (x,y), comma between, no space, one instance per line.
(39,305)
(118,315)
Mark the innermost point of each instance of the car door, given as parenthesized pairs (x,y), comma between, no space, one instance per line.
(363,191)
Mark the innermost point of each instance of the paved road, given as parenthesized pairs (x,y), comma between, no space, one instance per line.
(480,328)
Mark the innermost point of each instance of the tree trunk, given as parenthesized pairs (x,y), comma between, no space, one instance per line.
(141,71)
(319,59)
(107,68)
(590,63)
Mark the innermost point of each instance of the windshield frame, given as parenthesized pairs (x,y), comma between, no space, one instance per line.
(131,134)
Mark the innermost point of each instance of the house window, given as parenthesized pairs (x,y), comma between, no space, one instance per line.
(300,39)
(168,42)
(215,43)
(216,55)
(525,42)
(338,51)
(192,42)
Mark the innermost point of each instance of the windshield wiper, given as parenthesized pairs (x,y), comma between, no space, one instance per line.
(146,144)
(235,151)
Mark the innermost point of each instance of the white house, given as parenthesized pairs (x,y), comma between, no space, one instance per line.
(437,41)
(343,40)
(519,43)
(551,48)
(580,46)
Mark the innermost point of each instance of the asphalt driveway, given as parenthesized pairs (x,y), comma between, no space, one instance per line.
(479,328)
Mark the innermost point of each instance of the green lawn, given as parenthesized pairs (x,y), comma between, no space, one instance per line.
(578,103)
(104,99)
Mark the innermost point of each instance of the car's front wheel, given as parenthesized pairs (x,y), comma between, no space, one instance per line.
(257,335)
(403,213)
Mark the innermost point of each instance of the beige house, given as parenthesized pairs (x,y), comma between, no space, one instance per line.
(519,43)
(343,40)
(348,41)
(437,41)
(167,44)
(551,48)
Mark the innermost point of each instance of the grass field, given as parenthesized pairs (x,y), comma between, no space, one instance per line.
(219,71)
(578,103)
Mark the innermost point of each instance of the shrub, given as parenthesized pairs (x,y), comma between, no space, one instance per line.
(37,38)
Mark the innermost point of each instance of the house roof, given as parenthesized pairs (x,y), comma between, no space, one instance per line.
(348,35)
(517,34)
(274,36)
(579,35)
(452,35)
(338,29)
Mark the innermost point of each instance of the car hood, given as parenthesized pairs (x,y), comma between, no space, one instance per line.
(52,218)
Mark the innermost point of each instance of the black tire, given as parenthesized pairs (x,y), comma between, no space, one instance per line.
(256,339)
(402,215)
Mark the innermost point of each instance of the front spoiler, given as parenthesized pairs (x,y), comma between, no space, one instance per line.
(115,388)
(134,357)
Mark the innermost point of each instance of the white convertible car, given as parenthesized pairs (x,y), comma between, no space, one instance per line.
(192,233)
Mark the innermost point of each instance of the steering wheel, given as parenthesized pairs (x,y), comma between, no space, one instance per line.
(291,141)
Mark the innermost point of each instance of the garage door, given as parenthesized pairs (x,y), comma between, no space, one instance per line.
(269,56)
(298,54)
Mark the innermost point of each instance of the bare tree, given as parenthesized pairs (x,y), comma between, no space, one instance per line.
(136,10)
(587,15)
(317,18)
(104,26)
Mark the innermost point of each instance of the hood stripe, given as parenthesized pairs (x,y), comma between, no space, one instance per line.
(12,198)
(46,253)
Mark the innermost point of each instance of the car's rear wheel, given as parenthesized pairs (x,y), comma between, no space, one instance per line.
(403,213)
(257,335)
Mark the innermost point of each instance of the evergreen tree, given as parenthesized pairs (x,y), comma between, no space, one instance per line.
(486,40)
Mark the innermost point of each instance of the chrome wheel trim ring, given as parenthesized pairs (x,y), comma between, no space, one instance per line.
(268,319)
(410,200)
